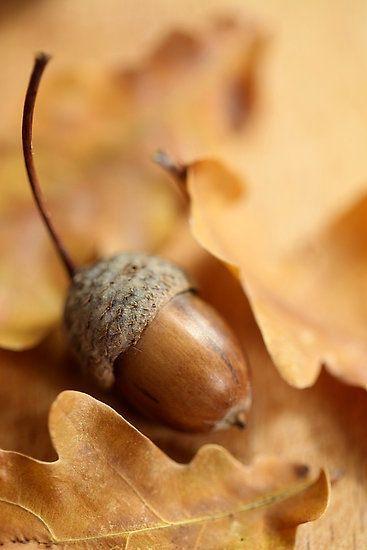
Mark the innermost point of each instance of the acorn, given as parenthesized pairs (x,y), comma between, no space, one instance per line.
(136,324)
(138,327)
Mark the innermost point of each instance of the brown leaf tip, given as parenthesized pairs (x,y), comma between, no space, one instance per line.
(175,169)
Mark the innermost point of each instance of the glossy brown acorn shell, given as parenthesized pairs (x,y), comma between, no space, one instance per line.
(187,369)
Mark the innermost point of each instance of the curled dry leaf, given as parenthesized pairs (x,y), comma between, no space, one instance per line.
(111,484)
(297,233)
(309,303)
(95,133)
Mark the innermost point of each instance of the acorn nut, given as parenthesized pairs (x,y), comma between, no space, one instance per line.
(138,327)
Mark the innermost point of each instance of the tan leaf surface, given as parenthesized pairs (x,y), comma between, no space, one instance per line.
(309,303)
(111,482)
(297,232)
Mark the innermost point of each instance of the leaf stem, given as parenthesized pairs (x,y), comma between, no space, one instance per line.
(176,170)
(40,63)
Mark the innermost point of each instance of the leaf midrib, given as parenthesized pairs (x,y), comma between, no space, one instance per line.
(268,500)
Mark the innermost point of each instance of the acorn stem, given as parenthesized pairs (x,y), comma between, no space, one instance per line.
(177,171)
(40,63)
(240,420)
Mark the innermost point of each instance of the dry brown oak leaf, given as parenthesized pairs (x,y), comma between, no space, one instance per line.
(297,234)
(111,486)
(309,300)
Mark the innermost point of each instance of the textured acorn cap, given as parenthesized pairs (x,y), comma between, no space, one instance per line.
(110,303)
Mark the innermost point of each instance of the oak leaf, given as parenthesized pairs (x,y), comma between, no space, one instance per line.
(308,301)
(297,223)
(111,485)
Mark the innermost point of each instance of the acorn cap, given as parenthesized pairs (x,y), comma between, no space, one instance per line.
(110,303)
